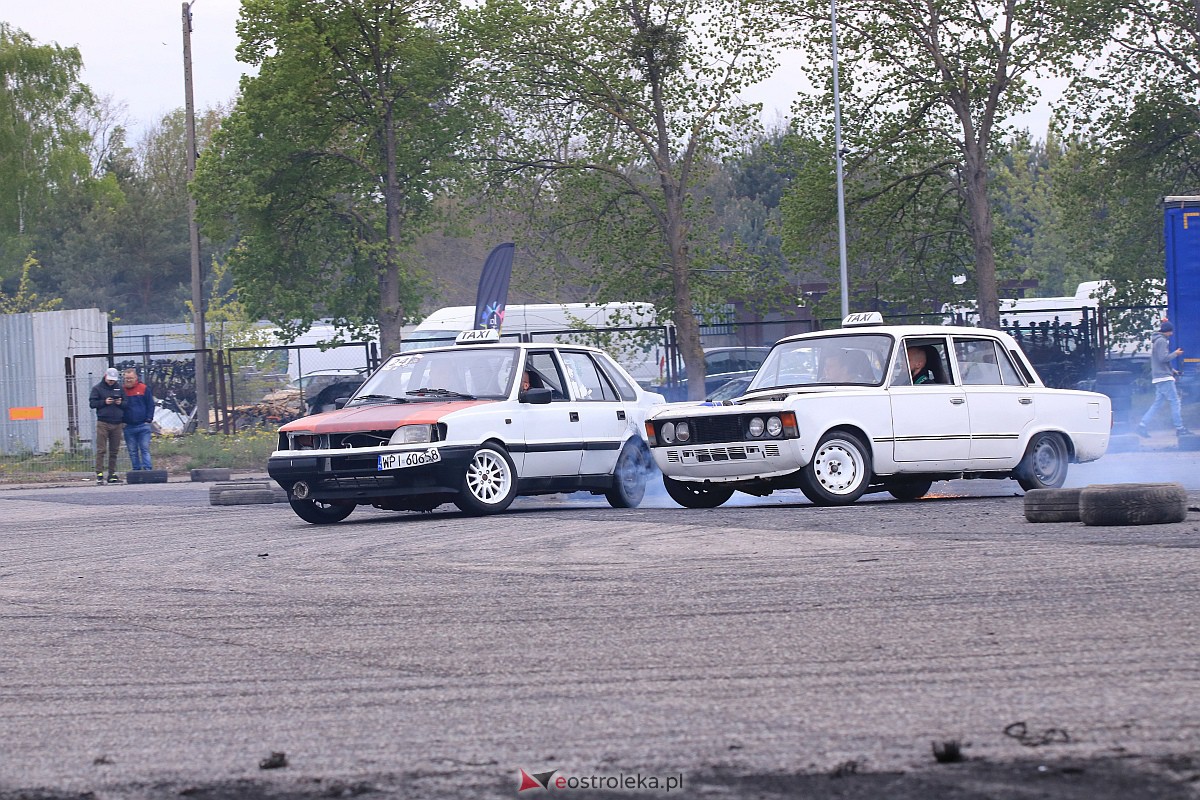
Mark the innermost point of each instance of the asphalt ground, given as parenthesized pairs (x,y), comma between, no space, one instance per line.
(152,645)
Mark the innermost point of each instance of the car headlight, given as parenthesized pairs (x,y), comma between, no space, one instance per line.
(683,432)
(412,434)
(667,431)
(756,427)
(774,426)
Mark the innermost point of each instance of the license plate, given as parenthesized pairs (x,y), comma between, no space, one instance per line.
(416,459)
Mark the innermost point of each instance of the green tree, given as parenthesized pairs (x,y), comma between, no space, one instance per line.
(1134,126)
(330,163)
(942,77)
(619,111)
(42,146)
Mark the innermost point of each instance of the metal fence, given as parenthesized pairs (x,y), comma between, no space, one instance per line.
(51,428)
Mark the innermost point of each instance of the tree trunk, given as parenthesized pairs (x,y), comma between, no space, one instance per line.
(391,314)
(687,329)
(980,212)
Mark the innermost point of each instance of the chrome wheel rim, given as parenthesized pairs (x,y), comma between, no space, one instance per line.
(488,477)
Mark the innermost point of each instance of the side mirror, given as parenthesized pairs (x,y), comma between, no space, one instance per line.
(537,397)
(341,402)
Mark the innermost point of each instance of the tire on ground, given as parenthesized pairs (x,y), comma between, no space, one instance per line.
(208,474)
(218,489)
(1052,505)
(1133,504)
(242,497)
(146,476)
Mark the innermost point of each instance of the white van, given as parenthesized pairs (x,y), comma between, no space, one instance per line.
(582,323)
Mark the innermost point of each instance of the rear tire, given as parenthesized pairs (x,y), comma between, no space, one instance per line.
(839,472)
(629,477)
(690,494)
(318,512)
(1045,463)
(490,483)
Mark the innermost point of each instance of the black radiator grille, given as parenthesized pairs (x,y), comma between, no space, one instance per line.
(725,428)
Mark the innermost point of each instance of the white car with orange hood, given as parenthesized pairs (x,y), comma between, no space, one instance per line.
(475,424)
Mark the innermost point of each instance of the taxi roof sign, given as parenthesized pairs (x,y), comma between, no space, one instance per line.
(478,336)
(862,318)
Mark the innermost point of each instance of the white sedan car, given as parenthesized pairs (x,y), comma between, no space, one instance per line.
(474,425)
(872,407)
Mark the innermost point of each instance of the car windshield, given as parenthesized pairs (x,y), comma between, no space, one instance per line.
(837,360)
(438,374)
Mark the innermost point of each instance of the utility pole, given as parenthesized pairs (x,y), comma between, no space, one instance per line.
(201,340)
(837,145)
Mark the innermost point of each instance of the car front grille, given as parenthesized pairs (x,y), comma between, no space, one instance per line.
(708,455)
(723,428)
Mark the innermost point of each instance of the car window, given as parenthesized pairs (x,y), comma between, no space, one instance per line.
(859,359)
(936,369)
(544,372)
(610,371)
(982,363)
(585,380)
(476,372)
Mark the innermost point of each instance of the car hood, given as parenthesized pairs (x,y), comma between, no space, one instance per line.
(381,416)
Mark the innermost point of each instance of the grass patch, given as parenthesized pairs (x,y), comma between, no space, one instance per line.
(244,450)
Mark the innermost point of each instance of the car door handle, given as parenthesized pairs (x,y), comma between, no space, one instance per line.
(620,415)
(574,416)
(1025,401)
(958,401)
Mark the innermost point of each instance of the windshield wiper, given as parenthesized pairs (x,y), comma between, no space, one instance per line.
(384,397)
(441,393)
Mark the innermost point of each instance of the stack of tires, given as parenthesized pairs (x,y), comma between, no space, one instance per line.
(1109,504)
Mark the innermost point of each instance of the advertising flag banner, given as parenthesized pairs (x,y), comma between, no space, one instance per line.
(493,288)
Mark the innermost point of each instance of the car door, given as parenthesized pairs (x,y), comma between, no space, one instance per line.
(553,431)
(999,402)
(930,422)
(601,412)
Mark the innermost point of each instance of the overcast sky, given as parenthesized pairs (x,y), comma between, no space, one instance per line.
(133,51)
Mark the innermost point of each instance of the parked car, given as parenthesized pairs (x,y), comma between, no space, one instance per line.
(729,390)
(454,425)
(722,364)
(836,414)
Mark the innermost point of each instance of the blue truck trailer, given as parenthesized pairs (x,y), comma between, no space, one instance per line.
(1181,236)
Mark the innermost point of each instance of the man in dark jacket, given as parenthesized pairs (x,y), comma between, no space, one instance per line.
(108,399)
(139,419)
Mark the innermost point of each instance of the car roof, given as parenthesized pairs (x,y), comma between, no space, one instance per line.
(458,348)
(899,331)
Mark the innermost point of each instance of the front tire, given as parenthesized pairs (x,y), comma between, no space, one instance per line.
(690,494)
(1045,463)
(490,483)
(319,513)
(839,472)
(629,477)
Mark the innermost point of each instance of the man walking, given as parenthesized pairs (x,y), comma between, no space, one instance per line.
(139,414)
(1162,375)
(107,398)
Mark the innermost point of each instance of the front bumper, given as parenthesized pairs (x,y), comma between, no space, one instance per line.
(730,462)
(355,476)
